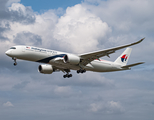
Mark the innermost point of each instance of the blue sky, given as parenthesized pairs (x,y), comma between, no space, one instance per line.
(77,27)
(38,5)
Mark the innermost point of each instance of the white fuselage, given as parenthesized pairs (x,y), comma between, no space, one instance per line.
(54,58)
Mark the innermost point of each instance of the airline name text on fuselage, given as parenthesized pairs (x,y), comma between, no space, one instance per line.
(40,50)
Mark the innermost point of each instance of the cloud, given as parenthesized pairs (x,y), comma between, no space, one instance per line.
(92,79)
(38,33)
(10,2)
(126,16)
(15,13)
(27,38)
(22,14)
(60,33)
(79,30)
(110,107)
(8,104)
(63,90)
(4,26)
(7,81)
(21,85)
(89,79)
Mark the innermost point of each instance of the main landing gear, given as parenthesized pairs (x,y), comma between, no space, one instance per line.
(81,71)
(67,75)
(15,62)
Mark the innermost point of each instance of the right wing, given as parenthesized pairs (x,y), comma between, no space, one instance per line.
(88,57)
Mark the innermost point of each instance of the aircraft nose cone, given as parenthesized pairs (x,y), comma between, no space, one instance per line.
(7,52)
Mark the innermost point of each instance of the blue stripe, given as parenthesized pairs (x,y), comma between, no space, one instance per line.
(46,60)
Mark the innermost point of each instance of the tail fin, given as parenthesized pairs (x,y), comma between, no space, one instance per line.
(123,58)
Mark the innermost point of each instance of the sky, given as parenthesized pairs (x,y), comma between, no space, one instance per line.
(43,5)
(77,26)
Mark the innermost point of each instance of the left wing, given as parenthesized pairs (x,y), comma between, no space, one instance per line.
(88,57)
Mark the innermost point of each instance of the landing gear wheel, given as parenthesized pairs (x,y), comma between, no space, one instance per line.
(64,76)
(67,75)
(78,71)
(15,63)
(81,71)
(84,71)
(70,75)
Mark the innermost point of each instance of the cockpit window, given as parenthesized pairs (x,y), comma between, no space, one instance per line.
(13,48)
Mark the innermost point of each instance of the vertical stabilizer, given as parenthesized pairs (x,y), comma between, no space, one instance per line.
(123,58)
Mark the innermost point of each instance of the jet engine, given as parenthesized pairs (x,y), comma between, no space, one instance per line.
(72,59)
(45,69)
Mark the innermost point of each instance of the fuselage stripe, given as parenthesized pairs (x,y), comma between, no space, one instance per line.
(46,60)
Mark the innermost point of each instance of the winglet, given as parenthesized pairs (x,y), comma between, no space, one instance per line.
(137,42)
(141,40)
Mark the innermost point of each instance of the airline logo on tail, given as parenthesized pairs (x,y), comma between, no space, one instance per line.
(124,58)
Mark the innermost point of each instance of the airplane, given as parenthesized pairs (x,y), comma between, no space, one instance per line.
(61,61)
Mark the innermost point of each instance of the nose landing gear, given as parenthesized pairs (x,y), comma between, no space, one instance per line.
(15,62)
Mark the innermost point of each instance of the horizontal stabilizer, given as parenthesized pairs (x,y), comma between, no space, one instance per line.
(131,65)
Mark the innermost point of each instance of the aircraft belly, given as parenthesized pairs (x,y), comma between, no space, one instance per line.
(101,67)
(62,65)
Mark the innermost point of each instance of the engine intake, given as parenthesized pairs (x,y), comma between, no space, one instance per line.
(72,59)
(45,69)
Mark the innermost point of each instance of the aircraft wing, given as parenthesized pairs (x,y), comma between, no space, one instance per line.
(88,57)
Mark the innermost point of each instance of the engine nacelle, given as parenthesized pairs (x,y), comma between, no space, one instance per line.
(45,69)
(72,59)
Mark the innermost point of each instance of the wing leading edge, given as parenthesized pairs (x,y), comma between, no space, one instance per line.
(88,57)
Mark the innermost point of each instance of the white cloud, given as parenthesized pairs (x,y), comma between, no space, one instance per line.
(63,90)
(109,107)
(128,19)
(79,30)
(10,2)
(115,107)
(94,80)
(8,104)
(18,7)
(8,81)
(42,27)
